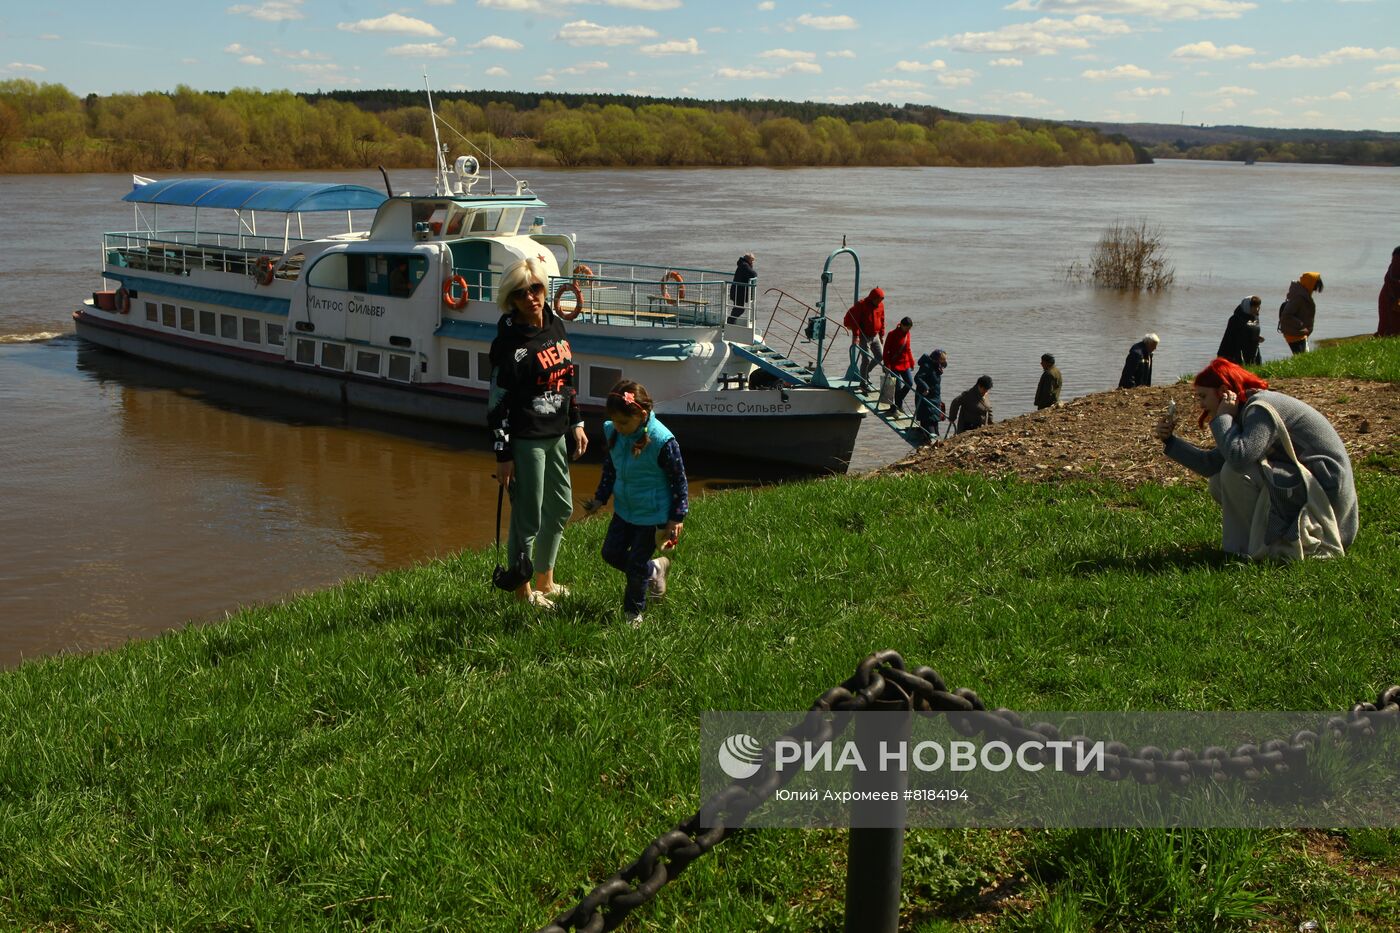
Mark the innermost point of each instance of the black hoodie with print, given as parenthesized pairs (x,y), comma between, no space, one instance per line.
(533,392)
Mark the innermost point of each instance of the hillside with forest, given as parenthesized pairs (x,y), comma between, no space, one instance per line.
(47,128)
(1234,143)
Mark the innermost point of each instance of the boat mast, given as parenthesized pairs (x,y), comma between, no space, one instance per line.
(441,185)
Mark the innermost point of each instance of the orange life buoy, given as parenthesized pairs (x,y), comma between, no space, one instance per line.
(672,276)
(123,299)
(578,301)
(266,270)
(457,302)
(583,270)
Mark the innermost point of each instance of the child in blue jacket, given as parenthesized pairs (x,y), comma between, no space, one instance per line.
(645,472)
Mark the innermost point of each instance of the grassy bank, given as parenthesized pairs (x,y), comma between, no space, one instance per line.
(411,751)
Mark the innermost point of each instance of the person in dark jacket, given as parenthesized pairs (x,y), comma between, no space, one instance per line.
(899,362)
(1240,345)
(1298,312)
(971,409)
(532,412)
(1047,393)
(1388,324)
(741,288)
(928,404)
(1137,368)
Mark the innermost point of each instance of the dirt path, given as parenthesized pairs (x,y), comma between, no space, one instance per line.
(1108,435)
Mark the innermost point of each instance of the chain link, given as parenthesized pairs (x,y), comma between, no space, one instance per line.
(882,677)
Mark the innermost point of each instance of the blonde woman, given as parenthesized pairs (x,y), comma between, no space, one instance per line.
(533,413)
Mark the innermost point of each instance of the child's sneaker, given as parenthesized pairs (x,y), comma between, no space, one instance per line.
(656,585)
(634,619)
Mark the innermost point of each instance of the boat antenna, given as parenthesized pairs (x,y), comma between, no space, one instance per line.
(491,164)
(441,185)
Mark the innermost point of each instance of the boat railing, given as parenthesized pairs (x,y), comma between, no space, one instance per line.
(178,252)
(646,302)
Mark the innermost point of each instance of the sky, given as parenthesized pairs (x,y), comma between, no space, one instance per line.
(1285,63)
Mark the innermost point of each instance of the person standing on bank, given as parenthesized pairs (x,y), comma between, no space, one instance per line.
(928,404)
(971,409)
(1240,345)
(1279,469)
(741,288)
(1047,392)
(1388,324)
(645,473)
(899,362)
(533,412)
(1137,368)
(1298,312)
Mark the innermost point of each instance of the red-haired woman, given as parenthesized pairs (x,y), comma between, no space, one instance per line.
(1279,469)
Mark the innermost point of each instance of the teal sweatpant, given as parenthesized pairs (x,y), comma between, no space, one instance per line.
(542,499)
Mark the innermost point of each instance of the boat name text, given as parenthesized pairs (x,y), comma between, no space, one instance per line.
(352,305)
(737,408)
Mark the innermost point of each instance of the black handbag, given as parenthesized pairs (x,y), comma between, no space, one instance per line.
(521,568)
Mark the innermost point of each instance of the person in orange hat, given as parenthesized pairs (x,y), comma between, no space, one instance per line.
(1298,311)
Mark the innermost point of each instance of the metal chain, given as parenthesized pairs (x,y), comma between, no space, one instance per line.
(883,677)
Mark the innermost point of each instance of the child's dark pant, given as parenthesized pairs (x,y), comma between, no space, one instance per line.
(629,547)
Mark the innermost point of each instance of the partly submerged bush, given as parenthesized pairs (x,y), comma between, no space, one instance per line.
(1130,256)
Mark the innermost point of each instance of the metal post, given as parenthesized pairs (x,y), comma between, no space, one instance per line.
(876,850)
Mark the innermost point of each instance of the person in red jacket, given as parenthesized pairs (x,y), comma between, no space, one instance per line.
(866,322)
(1389,323)
(899,362)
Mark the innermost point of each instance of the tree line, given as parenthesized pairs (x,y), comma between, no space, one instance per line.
(46,128)
(1349,151)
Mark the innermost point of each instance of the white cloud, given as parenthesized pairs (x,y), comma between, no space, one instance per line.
(496,71)
(49,37)
(804,68)
(841,53)
(1386,69)
(393,23)
(1390,84)
(235,49)
(766,5)
(1132,72)
(273,11)
(1338,96)
(425,49)
(1230,90)
(1042,37)
(791,54)
(674,47)
(252,60)
(324,70)
(583,68)
(651,6)
(960,78)
(582,32)
(1209,51)
(1350,53)
(745,74)
(827,22)
(305,55)
(1006,62)
(937,64)
(1155,9)
(1267,112)
(1143,93)
(24,66)
(1016,99)
(515,6)
(439,2)
(894,84)
(498,43)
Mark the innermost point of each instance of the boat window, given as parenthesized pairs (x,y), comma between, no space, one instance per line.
(228,326)
(459,364)
(486,220)
(601,379)
(483,367)
(306,351)
(395,275)
(454,222)
(167,315)
(151,313)
(333,356)
(274,334)
(400,367)
(367,362)
(510,220)
(252,330)
(207,322)
(306,326)
(400,341)
(187,319)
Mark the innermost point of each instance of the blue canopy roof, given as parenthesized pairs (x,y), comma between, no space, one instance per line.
(239,194)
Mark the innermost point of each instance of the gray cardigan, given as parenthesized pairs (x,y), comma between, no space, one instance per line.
(1252,439)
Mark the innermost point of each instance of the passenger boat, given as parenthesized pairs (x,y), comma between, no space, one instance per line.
(396,312)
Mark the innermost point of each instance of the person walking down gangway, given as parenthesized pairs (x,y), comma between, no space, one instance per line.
(928,382)
(1047,391)
(645,476)
(899,363)
(1298,313)
(972,409)
(1137,368)
(533,413)
(1240,344)
(866,321)
(1279,470)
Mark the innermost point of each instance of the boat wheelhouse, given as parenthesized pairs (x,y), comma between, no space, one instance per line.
(396,310)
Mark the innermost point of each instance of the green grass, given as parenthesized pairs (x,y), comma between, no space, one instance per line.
(413,752)
(1374,359)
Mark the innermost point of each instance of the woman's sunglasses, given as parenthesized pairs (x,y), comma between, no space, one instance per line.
(536,288)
